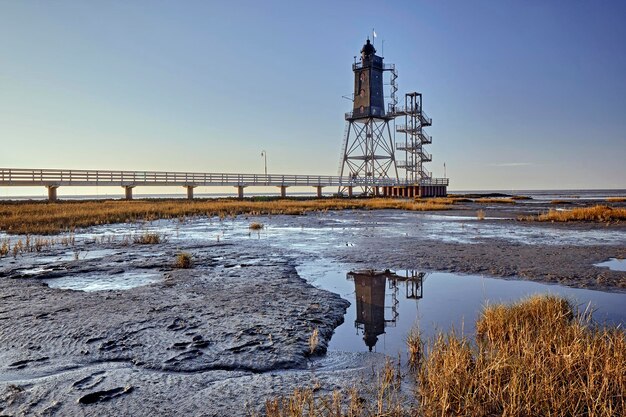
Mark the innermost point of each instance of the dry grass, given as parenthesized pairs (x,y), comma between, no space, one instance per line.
(44,218)
(443,200)
(30,244)
(521,197)
(304,402)
(415,348)
(480,214)
(256,226)
(148,238)
(183,261)
(597,213)
(385,400)
(616,199)
(314,340)
(495,200)
(536,357)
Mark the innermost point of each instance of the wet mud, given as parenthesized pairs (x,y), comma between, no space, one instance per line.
(221,337)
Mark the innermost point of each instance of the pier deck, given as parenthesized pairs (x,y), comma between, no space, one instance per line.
(55,178)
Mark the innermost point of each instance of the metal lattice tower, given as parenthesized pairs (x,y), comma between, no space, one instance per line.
(367,151)
(415,120)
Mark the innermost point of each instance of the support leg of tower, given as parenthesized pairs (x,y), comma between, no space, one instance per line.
(240,191)
(377,191)
(319,191)
(190,191)
(283,191)
(128,192)
(52,192)
(350,191)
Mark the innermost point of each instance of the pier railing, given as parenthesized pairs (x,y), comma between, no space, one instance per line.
(73,177)
(55,178)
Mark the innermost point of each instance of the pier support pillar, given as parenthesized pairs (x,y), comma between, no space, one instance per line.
(319,191)
(349,191)
(283,191)
(128,192)
(52,192)
(190,191)
(376,191)
(240,191)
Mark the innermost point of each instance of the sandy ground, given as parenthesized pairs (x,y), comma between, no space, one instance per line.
(220,338)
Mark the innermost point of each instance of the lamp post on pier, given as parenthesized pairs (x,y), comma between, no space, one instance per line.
(264,155)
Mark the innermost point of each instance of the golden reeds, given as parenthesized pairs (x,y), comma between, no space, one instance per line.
(256,226)
(148,238)
(480,214)
(488,200)
(598,213)
(536,357)
(616,199)
(385,399)
(183,261)
(43,218)
(314,340)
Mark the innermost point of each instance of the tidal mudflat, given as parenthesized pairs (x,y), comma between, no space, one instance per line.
(106,325)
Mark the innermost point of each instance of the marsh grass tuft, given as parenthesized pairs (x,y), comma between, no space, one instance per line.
(148,238)
(598,213)
(616,199)
(5,248)
(385,399)
(480,214)
(256,226)
(183,261)
(314,340)
(415,348)
(539,356)
(535,357)
(488,200)
(304,402)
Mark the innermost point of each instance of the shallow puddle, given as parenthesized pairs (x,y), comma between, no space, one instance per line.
(386,305)
(104,282)
(614,264)
(345,227)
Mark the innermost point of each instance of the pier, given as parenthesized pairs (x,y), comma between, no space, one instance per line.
(52,179)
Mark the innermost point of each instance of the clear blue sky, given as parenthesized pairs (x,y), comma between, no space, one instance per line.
(524,95)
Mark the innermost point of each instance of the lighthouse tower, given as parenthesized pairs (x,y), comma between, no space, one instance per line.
(368,149)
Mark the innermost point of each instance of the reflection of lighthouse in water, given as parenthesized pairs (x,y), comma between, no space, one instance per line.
(370,304)
(370,288)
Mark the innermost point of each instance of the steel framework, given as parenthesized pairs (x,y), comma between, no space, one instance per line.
(415,120)
(368,153)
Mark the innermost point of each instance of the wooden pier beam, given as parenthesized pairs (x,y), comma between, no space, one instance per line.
(283,191)
(190,191)
(52,192)
(128,191)
(350,191)
(319,191)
